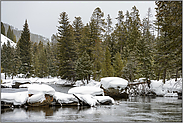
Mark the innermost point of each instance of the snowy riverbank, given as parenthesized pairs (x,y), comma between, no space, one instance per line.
(109,82)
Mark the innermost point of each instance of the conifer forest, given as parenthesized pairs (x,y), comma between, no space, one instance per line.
(131,49)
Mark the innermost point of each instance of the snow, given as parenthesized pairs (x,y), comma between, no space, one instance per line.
(113,82)
(40,88)
(24,85)
(64,98)
(92,90)
(89,99)
(17,98)
(20,80)
(7,85)
(171,95)
(5,40)
(103,99)
(171,85)
(39,97)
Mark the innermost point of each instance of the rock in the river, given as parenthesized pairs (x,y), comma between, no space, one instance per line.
(114,87)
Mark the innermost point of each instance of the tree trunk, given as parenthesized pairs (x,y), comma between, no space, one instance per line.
(176,74)
(5,75)
(158,75)
(164,75)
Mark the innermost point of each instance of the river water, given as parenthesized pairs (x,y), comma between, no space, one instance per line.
(134,109)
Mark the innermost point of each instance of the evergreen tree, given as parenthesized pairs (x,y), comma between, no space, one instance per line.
(169,44)
(6,59)
(51,60)
(84,67)
(42,61)
(9,33)
(118,65)
(15,62)
(77,28)
(2,29)
(97,60)
(98,23)
(107,70)
(66,49)
(24,45)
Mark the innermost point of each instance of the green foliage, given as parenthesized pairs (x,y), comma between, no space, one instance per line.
(24,46)
(83,67)
(118,65)
(66,49)
(2,29)
(107,68)
(129,50)
(169,43)
(11,35)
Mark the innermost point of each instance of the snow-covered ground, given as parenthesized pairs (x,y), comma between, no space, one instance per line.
(170,85)
(4,39)
(93,88)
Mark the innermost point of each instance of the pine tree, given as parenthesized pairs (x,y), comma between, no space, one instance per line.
(15,62)
(97,60)
(118,65)
(2,29)
(66,49)
(6,58)
(78,28)
(84,67)
(169,44)
(24,45)
(42,61)
(107,68)
(51,60)
(9,33)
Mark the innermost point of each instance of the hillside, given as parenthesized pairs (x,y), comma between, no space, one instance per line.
(33,37)
(4,39)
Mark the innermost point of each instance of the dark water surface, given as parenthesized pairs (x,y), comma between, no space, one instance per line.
(134,109)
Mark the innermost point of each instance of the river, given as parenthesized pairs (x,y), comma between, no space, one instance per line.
(134,109)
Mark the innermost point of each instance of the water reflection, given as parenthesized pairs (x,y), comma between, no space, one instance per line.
(134,109)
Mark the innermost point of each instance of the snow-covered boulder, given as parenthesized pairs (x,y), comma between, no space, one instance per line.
(92,90)
(104,100)
(114,86)
(18,98)
(113,82)
(39,97)
(41,88)
(40,94)
(65,99)
(86,99)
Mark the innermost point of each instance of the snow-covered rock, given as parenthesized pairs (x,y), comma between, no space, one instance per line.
(87,99)
(41,88)
(113,82)
(104,99)
(63,98)
(92,90)
(114,87)
(39,97)
(18,98)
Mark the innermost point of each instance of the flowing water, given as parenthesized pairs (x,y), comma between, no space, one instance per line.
(134,109)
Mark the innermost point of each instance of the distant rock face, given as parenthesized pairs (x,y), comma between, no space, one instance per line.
(33,37)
